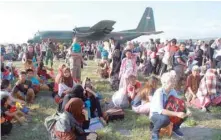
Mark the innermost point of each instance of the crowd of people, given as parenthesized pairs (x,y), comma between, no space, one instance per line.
(188,69)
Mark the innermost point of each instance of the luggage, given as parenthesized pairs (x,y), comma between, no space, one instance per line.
(113,114)
(166,131)
(177,105)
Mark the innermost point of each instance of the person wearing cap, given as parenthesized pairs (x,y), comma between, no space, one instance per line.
(192,84)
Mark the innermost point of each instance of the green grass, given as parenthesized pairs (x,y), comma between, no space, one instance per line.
(133,127)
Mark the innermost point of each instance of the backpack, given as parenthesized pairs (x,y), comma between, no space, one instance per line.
(51,120)
(113,114)
(176,105)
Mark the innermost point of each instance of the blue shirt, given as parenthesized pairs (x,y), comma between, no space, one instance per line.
(35,81)
(76,48)
(104,54)
(159,100)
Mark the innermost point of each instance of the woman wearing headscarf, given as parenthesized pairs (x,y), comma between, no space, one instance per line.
(115,67)
(78,92)
(66,84)
(58,77)
(68,126)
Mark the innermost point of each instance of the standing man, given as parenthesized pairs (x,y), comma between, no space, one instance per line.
(43,49)
(75,60)
(50,52)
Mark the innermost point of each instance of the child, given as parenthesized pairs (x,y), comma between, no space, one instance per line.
(44,76)
(23,89)
(133,87)
(141,103)
(29,65)
(5,90)
(37,86)
(10,112)
(128,67)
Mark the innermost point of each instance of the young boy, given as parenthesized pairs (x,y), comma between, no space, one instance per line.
(23,89)
(37,86)
(5,90)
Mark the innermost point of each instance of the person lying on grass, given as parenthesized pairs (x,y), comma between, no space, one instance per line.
(159,116)
(23,89)
(37,86)
(10,112)
(141,102)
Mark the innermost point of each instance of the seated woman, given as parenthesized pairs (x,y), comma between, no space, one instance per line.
(104,69)
(37,86)
(159,116)
(93,98)
(23,89)
(69,124)
(133,87)
(66,84)
(10,112)
(58,77)
(192,84)
(141,103)
(209,90)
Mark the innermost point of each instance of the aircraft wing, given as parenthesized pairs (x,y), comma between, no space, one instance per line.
(145,33)
(106,25)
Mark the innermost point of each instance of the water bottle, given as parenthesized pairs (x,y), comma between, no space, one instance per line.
(88,106)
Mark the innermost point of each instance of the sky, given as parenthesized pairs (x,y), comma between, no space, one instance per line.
(183,19)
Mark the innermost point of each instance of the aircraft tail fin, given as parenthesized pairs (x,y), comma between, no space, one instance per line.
(147,23)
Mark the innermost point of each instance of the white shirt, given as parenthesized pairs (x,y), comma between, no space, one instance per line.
(43,47)
(158,100)
(62,87)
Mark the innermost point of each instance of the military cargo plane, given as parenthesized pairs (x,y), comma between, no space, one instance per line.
(102,31)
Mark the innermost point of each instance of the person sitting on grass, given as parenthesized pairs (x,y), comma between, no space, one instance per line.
(192,84)
(159,116)
(6,89)
(69,124)
(141,103)
(10,112)
(209,92)
(58,77)
(133,87)
(66,84)
(37,86)
(90,94)
(23,89)
(44,76)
